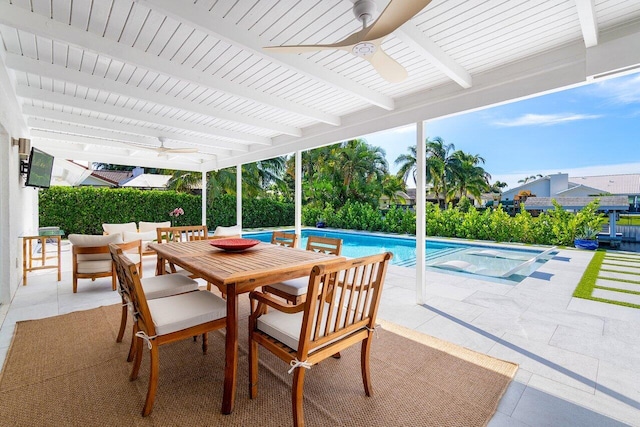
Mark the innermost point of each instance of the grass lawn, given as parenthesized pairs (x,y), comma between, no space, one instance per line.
(628,220)
(596,270)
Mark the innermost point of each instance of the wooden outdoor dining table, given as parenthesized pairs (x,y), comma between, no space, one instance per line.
(235,273)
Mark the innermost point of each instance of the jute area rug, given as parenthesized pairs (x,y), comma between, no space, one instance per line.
(68,370)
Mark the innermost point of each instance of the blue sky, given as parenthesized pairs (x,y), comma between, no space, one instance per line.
(589,130)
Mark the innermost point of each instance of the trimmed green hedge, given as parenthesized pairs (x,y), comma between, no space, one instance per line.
(84,210)
(362,216)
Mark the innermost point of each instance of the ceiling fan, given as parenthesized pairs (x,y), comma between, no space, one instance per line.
(366,42)
(163,151)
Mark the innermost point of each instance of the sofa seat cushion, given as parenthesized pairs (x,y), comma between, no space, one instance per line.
(129,227)
(94,266)
(146,237)
(180,312)
(89,240)
(152,226)
(233,231)
(295,287)
(286,327)
(167,285)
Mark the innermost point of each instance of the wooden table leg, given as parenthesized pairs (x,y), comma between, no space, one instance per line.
(59,239)
(24,261)
(231,351)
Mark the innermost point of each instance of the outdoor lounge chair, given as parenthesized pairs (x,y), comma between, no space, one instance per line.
(467,267)
(335,315)
(91,258)
(492,253)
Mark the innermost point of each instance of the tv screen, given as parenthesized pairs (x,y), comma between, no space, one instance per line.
(40,168)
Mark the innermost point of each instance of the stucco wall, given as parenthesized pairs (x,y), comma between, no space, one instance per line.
(18,213)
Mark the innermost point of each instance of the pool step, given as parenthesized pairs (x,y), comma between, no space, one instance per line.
(429,257)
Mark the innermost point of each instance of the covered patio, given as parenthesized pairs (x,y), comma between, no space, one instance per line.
(121,81)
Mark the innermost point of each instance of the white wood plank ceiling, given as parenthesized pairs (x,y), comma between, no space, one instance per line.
(103,80)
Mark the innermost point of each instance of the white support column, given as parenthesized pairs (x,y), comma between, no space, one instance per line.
(298,193)
(421,185)
(239,195)
(204,198)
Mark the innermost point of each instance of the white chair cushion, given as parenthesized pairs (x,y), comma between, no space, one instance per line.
(151,226)
(96,266)
(295,287)
(135,258)
(286,327)
(90,240)
(146,237)
(129,236)
(120,228)
(234,230)
(167,285)
(179,312)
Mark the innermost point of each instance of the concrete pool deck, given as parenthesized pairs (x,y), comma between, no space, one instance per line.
(578,359)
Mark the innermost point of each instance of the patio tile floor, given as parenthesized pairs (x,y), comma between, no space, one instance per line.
(578,359)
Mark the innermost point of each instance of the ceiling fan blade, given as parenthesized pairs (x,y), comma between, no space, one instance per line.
(393,17)
(344,44)
(388,68)
(179,150)
(300,48)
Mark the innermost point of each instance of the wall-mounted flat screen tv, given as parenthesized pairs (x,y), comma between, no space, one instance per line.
(39,170)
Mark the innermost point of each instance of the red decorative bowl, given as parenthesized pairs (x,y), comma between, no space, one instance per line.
(234,245)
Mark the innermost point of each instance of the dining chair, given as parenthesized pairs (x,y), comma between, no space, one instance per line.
(339,311)
(294,290)
(186,233)
(153,287)
(282,238)
(165,320)
(91,258)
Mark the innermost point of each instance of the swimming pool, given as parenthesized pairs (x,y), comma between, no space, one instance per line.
(358,244)
(361,243)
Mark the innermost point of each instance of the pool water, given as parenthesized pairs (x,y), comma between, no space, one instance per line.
(358,244)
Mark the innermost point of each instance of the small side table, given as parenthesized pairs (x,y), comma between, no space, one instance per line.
(27,253)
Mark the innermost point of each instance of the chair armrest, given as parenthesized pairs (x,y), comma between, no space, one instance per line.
(85,250)
(268,300)
(134,244)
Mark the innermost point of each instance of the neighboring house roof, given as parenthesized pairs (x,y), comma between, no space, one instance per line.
(607,203)
(615,184)
(411,192)
(148,180)
(112,177)
(584,188)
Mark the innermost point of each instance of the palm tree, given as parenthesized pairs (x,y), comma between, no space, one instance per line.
(360,165)
(408,164)
(439,167)
(467,177)
(497,186)
(529,178)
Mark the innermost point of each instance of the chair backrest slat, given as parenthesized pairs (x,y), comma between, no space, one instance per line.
(327,245)
(185,233)
(341,299)
(281,238)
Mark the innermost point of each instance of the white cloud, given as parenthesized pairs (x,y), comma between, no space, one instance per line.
(544,119)
(621,90)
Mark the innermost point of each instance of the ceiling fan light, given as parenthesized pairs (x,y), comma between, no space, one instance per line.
(364,49)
